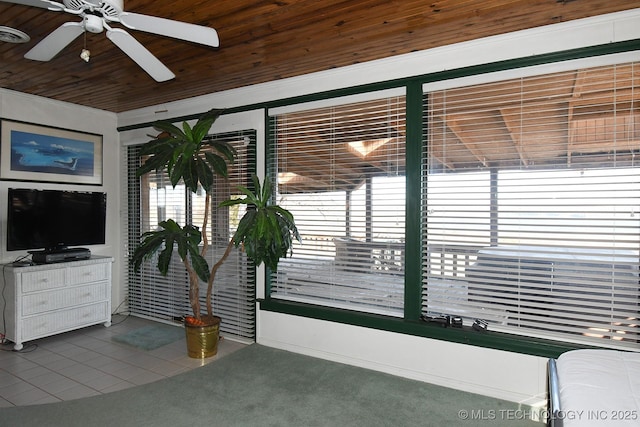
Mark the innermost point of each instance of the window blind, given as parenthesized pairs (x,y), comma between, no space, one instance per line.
(153,199)
(341,171)
(533,190)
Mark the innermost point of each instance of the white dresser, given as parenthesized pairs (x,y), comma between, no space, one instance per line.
(47,299)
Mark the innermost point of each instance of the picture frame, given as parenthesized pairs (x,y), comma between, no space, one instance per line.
(30,152)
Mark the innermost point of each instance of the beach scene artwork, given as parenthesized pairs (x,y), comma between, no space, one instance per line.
(33,152)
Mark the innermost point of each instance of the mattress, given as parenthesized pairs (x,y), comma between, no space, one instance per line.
(599,388)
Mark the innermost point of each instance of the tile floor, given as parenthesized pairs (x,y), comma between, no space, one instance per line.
(87,362)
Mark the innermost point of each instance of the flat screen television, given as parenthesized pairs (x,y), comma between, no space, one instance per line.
(53,220)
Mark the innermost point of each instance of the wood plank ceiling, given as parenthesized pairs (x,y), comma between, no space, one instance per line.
(260,41)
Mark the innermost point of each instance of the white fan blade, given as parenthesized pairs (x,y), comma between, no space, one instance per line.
(167,27)
(51,45)
(140,55)
(51,5)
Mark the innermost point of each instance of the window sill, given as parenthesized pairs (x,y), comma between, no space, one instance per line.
(466,335)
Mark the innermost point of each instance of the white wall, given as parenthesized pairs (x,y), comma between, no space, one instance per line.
(501,374)
(42,111)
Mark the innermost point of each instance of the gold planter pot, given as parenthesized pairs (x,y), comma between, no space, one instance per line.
(202,341)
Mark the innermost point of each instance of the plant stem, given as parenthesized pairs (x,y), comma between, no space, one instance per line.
(194,288)
(212,276)
(205,221)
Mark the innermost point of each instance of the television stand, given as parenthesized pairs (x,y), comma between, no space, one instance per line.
(43,300)
(60,255)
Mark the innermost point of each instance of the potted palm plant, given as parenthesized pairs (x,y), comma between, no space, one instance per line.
(265,232)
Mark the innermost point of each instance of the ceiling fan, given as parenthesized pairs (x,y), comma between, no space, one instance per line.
(97,15)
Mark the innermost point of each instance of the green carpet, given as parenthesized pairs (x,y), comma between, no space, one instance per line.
(262,386)
(151,337)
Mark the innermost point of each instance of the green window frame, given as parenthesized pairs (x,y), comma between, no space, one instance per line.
(415,134)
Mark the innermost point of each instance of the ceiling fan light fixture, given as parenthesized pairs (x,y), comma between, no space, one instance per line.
(93,24)
(11,35)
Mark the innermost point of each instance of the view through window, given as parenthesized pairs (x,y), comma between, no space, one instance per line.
(341,172)
(533,190)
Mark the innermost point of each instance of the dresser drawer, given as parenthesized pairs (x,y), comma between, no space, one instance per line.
(89,273)
(42,280)
(52,300)
(60,321)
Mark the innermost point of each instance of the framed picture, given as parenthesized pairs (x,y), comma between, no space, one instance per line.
(31,152)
